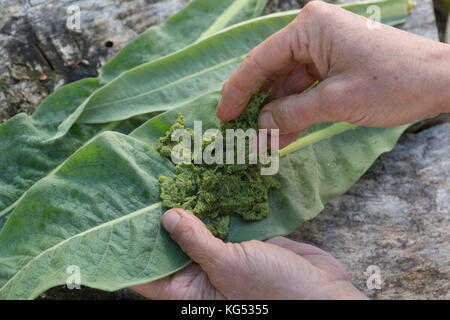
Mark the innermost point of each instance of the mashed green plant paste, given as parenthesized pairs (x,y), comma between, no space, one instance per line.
(213,192)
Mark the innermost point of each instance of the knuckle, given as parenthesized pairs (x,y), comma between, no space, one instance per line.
(313,27)
(255,66)
(244,251)
(299,40)
(318,15)
(315,8)
(250,255)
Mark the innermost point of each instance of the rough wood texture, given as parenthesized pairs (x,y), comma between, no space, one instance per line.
(38,53)
(395,217)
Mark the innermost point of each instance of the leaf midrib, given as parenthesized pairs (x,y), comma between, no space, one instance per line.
(81,234)
(224,18)
(193,75)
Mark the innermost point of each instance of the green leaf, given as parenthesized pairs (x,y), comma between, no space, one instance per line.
(30,147)
(328,160)
(196,70)
(26,154)
(47,128)
(198,19)
(100,210)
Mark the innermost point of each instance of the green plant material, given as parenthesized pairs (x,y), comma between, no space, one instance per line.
(48,126)
(182,77)
(101,209)
(214,191)
(310,175)
(30,147)
(26,156)
(314,137)
(220,227)
(197,20)
(445,3)
(249,117)
(103,216)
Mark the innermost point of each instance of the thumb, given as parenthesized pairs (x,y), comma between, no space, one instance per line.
(195,239)
(297,112)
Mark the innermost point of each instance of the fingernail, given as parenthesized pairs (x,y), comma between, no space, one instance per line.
(170,220)
(266,121)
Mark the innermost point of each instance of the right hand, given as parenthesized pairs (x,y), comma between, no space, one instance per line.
(371,77)
(278,268)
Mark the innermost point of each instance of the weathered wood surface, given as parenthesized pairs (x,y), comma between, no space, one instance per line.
(38,53)
(396,217)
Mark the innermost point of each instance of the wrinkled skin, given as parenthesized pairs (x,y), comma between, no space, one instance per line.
(276,269)
(371,77)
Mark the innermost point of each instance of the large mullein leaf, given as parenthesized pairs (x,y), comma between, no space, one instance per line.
(100,210)
(197,20)
(29,148)
(196,70)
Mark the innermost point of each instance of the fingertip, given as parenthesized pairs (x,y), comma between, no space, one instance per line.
(223,114)
(226,114)
(233,102)
(222,110)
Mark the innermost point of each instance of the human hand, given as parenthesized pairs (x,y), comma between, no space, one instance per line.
(276,269)
(375,77)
